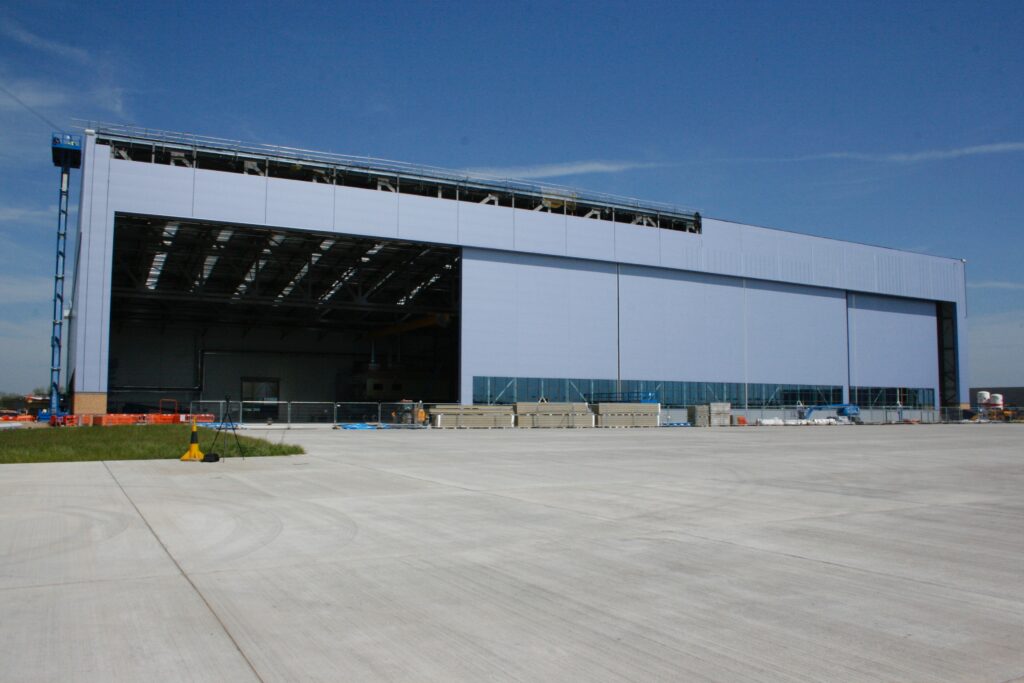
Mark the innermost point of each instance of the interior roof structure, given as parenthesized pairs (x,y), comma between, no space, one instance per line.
(235,274)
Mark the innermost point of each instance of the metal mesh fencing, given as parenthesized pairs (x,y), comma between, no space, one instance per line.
(263,412)
(311,412)
(350,413)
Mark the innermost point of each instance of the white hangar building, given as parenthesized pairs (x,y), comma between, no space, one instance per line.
(207,268)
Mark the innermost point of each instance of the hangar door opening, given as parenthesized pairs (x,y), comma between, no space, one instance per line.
(204,311)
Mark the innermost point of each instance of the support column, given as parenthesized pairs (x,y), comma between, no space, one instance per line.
(89,324)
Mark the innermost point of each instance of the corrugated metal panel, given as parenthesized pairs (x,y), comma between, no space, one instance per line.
(723,262)
(796,259)
(637,244)
(889,271)
(859,268)
(827,263)
(680,250)
(760,254)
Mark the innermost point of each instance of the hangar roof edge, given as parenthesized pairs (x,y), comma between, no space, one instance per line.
(130,133)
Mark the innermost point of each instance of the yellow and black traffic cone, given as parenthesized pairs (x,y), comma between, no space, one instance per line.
(193,452)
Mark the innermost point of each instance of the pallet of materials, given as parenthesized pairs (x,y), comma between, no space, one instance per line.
(627,414)
(553,415)
(721,414)
(455,416)
(710,415)
(700,416)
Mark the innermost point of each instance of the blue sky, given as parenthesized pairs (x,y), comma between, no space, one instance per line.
(899,124)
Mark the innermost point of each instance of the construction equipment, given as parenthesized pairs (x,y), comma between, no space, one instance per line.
(842,410)
(67,154)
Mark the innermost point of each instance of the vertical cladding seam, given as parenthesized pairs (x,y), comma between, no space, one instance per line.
(849,370)
(618,328)
(108,257)
(85,231)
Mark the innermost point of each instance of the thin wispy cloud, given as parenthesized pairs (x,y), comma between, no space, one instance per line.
(34,94)
(25,290)
(997,284)
(571,168)
(20,215)
(901,157)
(568,168)
(14,31)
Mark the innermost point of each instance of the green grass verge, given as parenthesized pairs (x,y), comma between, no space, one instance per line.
(72,444)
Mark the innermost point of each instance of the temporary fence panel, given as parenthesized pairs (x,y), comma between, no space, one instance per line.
(311,412)
(348,413)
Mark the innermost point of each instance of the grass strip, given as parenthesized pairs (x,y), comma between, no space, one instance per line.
(141,442)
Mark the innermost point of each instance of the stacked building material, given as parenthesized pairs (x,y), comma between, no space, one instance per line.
(700,416)
(627,414)
(454,416)
(721,414)
(550,415)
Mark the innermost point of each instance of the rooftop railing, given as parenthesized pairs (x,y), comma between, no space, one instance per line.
(192,141)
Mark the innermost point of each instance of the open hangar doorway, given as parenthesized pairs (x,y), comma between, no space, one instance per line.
(202,311)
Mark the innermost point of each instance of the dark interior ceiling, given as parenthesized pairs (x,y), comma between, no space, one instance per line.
(217,273)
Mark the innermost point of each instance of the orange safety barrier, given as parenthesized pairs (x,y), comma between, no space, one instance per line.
(118,419)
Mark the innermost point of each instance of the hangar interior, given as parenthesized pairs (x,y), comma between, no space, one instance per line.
(204,311)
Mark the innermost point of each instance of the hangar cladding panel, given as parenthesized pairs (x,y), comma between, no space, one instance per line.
(669,317)
(892,342)
(536,316)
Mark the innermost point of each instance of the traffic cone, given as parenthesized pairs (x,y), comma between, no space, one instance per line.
(193,452)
